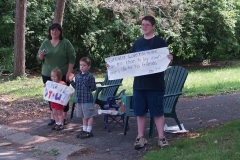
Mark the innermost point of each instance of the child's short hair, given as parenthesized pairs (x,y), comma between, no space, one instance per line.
(86,60)
(151,19)
(58,73)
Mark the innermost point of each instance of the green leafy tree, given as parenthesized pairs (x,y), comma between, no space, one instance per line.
(97,32)
(39,18)
(7,8)
(194,29)
(208,30)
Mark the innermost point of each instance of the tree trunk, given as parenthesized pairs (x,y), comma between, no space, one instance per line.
(19,38)
(59,10)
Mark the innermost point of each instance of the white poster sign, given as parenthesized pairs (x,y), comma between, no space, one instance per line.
(137,63)
(56,92)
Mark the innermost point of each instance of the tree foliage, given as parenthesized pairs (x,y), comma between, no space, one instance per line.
(194,29)
(7,9)
(40,15)
(209,29)
(99,34)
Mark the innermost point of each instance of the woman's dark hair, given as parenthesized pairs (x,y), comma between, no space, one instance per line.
(55,26)
(151,19)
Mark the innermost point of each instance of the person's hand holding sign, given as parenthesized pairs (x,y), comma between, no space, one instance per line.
(170,57)
(107,65)
(71,76)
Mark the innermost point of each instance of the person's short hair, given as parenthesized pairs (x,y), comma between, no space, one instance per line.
(58,73)
(151,19)
(86,60)
(55,26)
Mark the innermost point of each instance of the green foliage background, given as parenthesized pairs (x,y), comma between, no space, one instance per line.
(194,29)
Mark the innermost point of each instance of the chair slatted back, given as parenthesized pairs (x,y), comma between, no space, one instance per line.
(175,78)
(107,89)
(110,91)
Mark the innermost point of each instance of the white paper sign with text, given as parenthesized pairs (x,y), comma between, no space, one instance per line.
(56,92)
(137,63)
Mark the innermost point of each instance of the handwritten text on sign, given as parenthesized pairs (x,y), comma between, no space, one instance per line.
(56,92)
(138,63)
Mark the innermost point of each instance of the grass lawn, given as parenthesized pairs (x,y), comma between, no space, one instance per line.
(200,82)
(220,143)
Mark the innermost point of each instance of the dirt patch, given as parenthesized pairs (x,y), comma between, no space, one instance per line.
(84,152)
(21,109)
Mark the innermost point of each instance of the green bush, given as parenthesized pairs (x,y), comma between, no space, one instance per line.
(6,59)
(195,30)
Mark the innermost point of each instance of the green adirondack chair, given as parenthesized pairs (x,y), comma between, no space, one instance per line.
(106,89)
(175,78)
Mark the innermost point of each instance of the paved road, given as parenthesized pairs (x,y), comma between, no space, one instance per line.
(33,140)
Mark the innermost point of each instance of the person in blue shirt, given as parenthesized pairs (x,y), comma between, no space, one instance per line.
(149,90)
(84,85)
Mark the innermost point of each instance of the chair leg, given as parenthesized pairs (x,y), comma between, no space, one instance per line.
(152,125)
(111,121)
(106,121)
(126,124)
(123,119)
(73,106)
(178,123)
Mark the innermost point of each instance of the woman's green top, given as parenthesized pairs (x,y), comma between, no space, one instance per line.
(59,56)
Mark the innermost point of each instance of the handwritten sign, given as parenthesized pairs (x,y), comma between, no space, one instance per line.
(137,63)
(56,92)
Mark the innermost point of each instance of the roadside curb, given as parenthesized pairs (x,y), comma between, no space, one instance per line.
(42,143)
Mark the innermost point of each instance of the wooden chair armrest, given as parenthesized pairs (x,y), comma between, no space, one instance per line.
(99,83)
(117,97)
(171,95)
(111,85)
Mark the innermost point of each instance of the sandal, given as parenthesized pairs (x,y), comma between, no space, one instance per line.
(59,128)
(55,126)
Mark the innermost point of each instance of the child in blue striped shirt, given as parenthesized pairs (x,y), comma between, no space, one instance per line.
(84,85)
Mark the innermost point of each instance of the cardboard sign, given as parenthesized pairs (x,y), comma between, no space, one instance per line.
(137,63)
(56,92)
(174,129)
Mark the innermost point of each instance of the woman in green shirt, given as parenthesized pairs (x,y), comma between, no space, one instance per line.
(56,51)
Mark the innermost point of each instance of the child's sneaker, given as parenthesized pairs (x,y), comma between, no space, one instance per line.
(80,133)
(162,142)
(65,122)
(86,135)
(51,122)
(140,143)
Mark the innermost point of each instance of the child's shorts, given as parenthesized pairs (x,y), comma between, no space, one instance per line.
(56,106)
(86,110)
